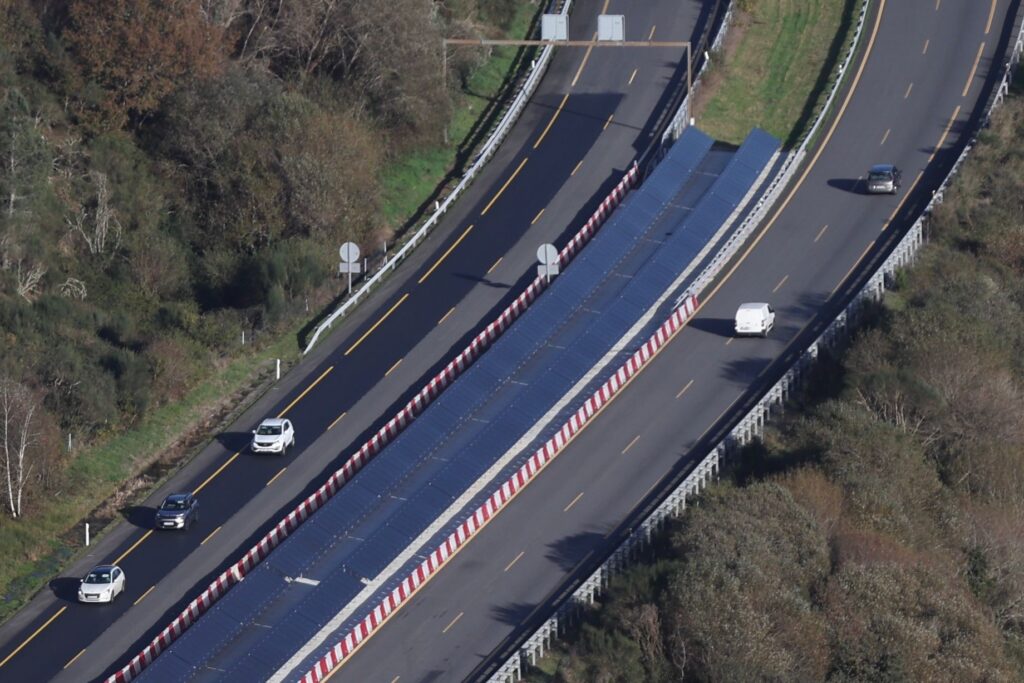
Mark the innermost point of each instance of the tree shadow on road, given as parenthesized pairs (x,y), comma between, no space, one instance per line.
(567,552)
(514,613)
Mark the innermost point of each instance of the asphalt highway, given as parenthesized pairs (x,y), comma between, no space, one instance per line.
(926,68)
(594,112)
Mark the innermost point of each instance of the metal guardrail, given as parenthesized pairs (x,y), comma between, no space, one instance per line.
(682,116)
(497,137)
(751,425)
(786,172)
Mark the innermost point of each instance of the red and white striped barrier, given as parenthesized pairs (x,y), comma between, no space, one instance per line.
(497,500)
(388,432)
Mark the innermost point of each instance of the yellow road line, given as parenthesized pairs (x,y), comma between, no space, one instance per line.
(852,268)
(886,136)
(909,88)
(535,218)
(489,270)
(684,389)
(906,196)
(377,324)
(219,470)
(608,122)
(920,174)
(308,388)
(452,623)
(141,597)
(339,417)
(586,56)
(452,309)
(974,69)
(448,251)
(551,122)
(274,478)
(641,498)
(814,160)
(577,167)
(942,140)
(72,660)
(133,547)
(991,14)
(210,536)
(392,368)
(821,232)
(632,76)
(504,187)
(631,444)
(574,501)
(514,560)
(781,282)
(34,634)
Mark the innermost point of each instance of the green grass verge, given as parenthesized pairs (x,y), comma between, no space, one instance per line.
(409,182)
(37,546)
(778,68)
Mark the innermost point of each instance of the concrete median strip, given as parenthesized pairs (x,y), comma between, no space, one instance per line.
(385,435)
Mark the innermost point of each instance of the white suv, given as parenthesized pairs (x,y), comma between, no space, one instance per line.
(274,435)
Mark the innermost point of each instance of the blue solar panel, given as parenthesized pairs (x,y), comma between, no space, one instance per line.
(620,275)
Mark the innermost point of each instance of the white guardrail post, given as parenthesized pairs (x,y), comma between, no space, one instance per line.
(508,120)
(751,425)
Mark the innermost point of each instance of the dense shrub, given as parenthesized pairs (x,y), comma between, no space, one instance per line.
(180,172)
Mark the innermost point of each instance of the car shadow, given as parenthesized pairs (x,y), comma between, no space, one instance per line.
(720,327)
(234,441)
(852,185)
(140,516)
(65,588)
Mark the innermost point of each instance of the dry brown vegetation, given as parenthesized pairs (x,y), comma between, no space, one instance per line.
(878,535)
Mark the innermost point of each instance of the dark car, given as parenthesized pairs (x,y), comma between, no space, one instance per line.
(883,179)
(178,511)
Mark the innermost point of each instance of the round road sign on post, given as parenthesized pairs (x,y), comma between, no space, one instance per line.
(349,254)
(548,257)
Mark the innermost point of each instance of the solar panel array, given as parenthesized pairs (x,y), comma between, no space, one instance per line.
(639,252)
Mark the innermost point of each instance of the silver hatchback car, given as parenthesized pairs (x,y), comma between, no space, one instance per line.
(883,179)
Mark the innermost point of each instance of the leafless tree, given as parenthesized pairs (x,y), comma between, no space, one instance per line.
(72,288)
(644,625)
(23,149)
(28,277)
(100,227)
(17,408)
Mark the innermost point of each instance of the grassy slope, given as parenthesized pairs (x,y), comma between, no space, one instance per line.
(38,545)
(411,180)
(777,64)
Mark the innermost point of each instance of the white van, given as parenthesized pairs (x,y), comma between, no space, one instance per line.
(755,319)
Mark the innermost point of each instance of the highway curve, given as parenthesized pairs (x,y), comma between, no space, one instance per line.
(925,72)
(592,115)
